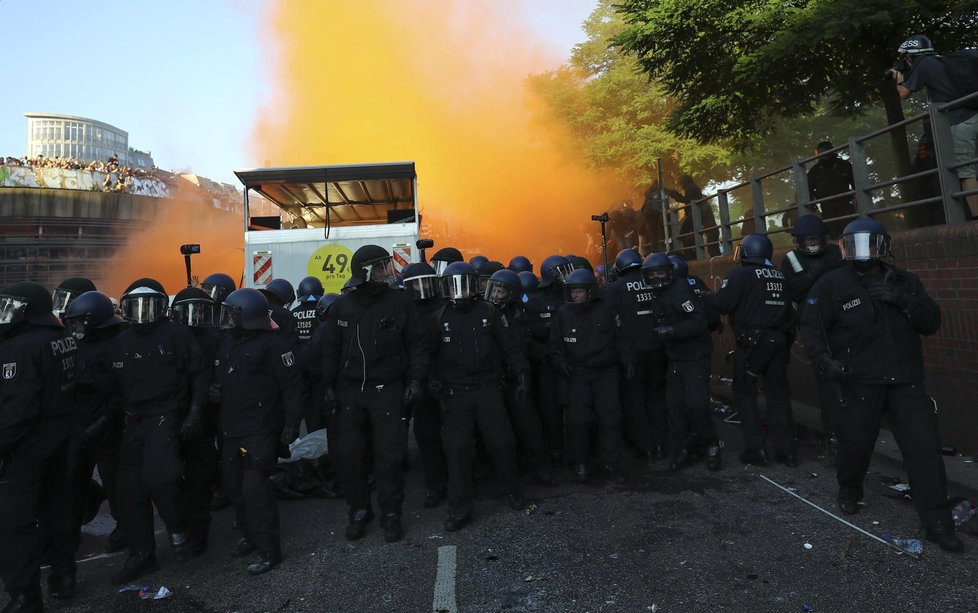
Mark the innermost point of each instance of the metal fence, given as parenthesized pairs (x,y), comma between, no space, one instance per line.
(876,191)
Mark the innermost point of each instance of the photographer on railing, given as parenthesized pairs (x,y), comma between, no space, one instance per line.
(918,67)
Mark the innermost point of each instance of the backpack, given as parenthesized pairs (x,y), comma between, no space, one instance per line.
(962,71)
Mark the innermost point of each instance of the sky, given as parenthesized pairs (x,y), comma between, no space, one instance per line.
(187,80)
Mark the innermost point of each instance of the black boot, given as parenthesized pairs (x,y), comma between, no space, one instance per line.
(61,581)
(945,538)
(183,546)
(264,563)
(848,506)
(116,541)
(391,523)
(138,564)
(220,500)
(680,460)
(454,524)
(433,497)
(28,601)
(243,548)
(714,455)
(613,471)
(358,524)
(581,473)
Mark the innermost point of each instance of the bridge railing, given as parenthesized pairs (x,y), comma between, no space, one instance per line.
(877,190)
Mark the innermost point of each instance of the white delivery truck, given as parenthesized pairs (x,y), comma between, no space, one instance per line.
(329,212)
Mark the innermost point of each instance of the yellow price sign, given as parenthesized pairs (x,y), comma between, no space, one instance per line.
(331,265)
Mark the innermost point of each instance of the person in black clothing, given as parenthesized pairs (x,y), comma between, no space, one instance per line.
(443,257)
(680,321)
(644,395)
(36,422)
(158,370)
(421,283)
(281,295)
(67,291)
(258,384)
(471,340)
(91,320)
(503,291)
(829,176)
(812,257)
(375,358)
(755,298)
(306,322)
(692,193)
(587,347)
(862,327)
(194,308)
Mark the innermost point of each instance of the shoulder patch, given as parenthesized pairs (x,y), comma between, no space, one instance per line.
(724,284)
(688,306)
(10,370)
(288,358)
(812,300)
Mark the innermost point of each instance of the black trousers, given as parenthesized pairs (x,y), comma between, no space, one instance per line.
(427,433)
(913,419)
(202,474)
(829,401)
(462,409)
(248,462)
(644,401)
(150,472)
(593,399)
(315,414)
(376,410)
(102,453)
(773,368)
(688,393)
(527,427)
(35,516)
(552,390)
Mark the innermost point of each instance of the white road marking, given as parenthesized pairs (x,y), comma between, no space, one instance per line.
(444,601)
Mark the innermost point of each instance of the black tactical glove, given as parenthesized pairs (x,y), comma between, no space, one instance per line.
(664,332)
(832,369)
(893,293)
(93,432)
(630,370)
(412,391)
(522,386)
(192,424)
(329,398)
(289,433)
(215,393)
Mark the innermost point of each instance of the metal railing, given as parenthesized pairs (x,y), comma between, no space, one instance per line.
(869,197)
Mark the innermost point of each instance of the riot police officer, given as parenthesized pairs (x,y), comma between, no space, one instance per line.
(421,283)
(862,326)
(259,387)
(520,263)
(68,290)
(443,257)
(36,421)
(587,347)
(812,257)
(91,320)
(159,373)
(309,292)
(755,297)
(473,339)
(530,285)
(643,395)
(682,324)
(218,286)
(700,289)
(375,358)
(281,295)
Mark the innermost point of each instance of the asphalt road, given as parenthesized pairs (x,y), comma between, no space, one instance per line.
(694,541)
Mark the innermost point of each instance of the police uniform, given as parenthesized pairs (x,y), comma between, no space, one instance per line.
(551,393)
(36,421)
(755,297)
(878,344)
(427,424)
(306,323)
(467,373)
(261,392)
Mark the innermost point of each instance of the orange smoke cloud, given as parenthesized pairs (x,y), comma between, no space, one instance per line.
(438,82)
(154,251)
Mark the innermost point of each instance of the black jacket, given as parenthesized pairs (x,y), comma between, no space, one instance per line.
(676,305)
(812,267)
(93,376)
(37,377)
(755,297)
(469,346)
(374,340)
(542,308)
(158,369)
(306,321)
(632,299)
(589,338)
(877,341)
(261,384)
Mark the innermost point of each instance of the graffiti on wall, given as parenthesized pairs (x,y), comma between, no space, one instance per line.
(86,180)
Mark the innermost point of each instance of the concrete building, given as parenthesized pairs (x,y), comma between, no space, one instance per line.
(84,139)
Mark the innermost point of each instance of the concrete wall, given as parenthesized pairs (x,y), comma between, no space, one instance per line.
(946,260)
(70,203)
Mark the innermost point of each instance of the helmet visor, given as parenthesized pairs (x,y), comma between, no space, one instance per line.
(77,327)
(144,308)
(60,299)
(12,309)
(460,287)
(215,291)
(422,288)
(562,270)
(380,271)
(230,317)
(194,313)
(864,246)
(439,266)
(500,293)
(578,294)
(657,278)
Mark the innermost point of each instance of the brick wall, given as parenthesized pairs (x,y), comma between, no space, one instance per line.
(946,260)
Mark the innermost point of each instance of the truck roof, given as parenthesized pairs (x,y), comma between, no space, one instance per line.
(346,193)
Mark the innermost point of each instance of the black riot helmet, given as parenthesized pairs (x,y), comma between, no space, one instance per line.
(530,282)
(504,287)
(349,286)
(864,240)
(26,302)
(144,302)
(627,259)
(310,289)
(246,309)
(443,257)
(219,286)
(421,281)
(279,292)
(88,312)
(460,283)
(811,234)
(486,270)
(520,263)
(372,264)
(755,249)
(658,271)
(477,261)
(554,269)
(679,265)
(918,44)
(194,307)
(322,307)
(68,290)
(580,287)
